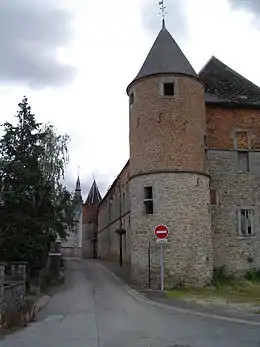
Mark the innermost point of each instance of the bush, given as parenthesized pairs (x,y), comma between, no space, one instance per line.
(221,277)
(253,275)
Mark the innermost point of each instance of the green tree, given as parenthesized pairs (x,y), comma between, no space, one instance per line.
(34,206)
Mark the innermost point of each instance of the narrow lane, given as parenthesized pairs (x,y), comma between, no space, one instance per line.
(95,310)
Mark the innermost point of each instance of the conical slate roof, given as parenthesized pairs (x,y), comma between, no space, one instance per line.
(94,196)
(165,57)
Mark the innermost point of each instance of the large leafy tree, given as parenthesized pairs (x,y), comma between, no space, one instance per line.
(34,207)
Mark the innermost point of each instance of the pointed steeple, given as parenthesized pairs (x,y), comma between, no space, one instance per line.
(165,57)
(94,196)
(78,187)
(78,195)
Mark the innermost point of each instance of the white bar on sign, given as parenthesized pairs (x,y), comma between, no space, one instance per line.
(161,232)
(162,241)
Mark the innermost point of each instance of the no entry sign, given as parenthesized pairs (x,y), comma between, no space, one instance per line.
(161,232)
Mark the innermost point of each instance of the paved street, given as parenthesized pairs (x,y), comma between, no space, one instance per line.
(94,309)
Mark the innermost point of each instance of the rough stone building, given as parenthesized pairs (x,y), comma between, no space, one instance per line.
(194,166)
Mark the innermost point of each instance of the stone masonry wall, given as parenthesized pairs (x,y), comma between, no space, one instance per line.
(181,201)
(167,132)
(109,220)
(222,123)
(234,191)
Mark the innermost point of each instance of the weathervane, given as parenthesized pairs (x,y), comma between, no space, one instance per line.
(162,8)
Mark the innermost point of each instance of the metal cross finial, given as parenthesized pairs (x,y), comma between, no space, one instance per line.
(162,8)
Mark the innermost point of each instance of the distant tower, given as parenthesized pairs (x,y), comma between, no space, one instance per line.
(90,222)
(168,181)
(78,196)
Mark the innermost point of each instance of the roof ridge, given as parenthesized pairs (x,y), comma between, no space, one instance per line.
(230,69)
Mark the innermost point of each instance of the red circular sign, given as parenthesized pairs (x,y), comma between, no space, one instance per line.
(161,232)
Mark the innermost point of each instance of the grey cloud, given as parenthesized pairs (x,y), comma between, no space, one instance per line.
(30,33)
(251,5)
(175,19)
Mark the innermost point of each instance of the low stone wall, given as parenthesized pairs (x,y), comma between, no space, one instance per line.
(13,304)
(71,252)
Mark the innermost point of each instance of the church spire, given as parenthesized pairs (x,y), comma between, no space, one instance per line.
(78,195)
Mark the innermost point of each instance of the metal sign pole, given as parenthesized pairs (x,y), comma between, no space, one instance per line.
(162,269)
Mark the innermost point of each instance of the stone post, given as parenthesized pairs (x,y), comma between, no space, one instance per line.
(55,264)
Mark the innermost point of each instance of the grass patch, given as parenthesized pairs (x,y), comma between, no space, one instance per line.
(227,287)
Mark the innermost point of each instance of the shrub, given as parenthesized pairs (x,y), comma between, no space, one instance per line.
(221,277)
(253,275)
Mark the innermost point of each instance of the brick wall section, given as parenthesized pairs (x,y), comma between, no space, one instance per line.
(89,226)
(222,123)
(181,201)
(167,132)
(235,190)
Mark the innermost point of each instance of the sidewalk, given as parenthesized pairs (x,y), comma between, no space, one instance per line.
(160,297)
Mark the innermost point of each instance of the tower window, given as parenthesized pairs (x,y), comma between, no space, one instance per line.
(131,99)
(168,89)
(148,200)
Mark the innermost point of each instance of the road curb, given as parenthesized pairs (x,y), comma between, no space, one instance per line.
(137,295)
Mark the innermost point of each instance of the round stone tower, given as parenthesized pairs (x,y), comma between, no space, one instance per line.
(168,181)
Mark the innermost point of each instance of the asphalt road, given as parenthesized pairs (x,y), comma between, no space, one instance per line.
(95,310)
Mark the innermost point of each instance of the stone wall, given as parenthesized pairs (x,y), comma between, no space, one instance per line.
(12,293)
(234,191)
(71,252)
(167,132)
(116,201)
(181,201)
(222,123)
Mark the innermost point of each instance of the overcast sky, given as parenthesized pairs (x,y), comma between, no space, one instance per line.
(74,60)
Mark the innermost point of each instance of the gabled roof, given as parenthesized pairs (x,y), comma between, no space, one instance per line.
(94,196)
(165,57)
(225,86)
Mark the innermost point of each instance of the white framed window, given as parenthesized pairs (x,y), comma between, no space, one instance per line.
(246,222)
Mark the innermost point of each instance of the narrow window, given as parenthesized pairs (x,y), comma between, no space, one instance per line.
(131,99)
(148,193)
(148,200)
(213,197)
(242,142)
(124,209)
(243,161)
(168,89)
(246,222)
